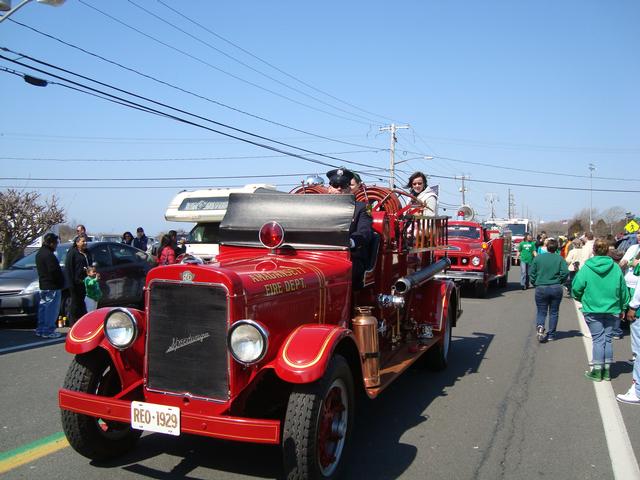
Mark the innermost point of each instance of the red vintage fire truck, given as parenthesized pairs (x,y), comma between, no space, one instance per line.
(270,343)
(478,255)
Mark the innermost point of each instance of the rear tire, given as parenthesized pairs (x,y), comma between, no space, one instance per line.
(318,425)
(437,358)
(92,437)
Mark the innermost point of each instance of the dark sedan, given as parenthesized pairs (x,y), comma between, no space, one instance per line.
(123,270)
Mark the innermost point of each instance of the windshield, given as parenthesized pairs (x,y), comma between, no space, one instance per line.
(517,228)
(29,262)
(466,232)
(205,233)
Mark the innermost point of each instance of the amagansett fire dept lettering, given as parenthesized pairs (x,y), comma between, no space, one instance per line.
(183,342)
(276,274)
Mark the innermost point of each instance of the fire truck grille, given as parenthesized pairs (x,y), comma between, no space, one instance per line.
(187,340)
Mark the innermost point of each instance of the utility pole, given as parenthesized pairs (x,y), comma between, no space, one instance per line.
(592,167)
(512,206)
(492,198)
(392,165)
(462,189)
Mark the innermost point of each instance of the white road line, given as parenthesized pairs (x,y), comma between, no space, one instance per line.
(623,458)
(29,345)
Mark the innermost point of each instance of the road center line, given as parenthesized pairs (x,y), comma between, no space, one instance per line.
(32,451)
(623,458)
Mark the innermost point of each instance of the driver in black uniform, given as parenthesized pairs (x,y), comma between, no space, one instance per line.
(360,232)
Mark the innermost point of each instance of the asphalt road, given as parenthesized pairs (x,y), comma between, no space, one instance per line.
(506,408)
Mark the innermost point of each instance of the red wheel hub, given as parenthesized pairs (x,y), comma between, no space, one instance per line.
(332,427)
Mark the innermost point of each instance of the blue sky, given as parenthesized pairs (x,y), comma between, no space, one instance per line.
(487,87)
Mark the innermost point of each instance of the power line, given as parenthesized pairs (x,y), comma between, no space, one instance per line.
(155,140)
(173,159)
(268,63)
(158,112)
(210,65)
(502,167)
(551,187)
(183,90)
(586,149)
(297,90)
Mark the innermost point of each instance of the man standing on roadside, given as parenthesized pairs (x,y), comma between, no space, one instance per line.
(526,252)
(140,242)
(548,272)
(51,285)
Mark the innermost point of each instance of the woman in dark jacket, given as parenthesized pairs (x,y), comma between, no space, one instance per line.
(76,263)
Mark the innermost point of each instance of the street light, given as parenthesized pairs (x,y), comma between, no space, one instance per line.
(592,167)
(414,158)
(5,6)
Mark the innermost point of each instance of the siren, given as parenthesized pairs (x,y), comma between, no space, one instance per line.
(465,212)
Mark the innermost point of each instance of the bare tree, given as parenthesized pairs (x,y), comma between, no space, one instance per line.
(576,227)
(612,216)
(23,218)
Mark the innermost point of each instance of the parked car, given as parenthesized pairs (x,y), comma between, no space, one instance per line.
(123,270)
(111,237)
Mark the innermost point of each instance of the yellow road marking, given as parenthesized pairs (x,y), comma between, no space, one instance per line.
(32,451)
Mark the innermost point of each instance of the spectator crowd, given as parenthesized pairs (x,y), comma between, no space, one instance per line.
(600,273)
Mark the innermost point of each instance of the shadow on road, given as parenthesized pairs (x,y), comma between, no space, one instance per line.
(377,451)
(13,339)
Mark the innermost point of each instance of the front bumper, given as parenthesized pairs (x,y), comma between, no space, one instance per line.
(225,427)
(461,276)
(19,306)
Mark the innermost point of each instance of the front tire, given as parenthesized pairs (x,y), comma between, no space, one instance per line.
(92,437)
(318,425)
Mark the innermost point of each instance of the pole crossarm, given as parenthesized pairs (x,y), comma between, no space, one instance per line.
(392,129)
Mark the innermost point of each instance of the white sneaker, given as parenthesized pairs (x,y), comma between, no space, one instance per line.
(629,397)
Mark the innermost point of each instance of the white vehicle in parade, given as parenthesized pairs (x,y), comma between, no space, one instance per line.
(206,208)
(518,227)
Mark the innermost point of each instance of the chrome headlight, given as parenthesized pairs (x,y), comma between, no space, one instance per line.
(475,261)
(248,341)
(32,287)
(121,328)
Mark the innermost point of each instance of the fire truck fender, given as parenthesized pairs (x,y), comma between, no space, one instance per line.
(447,296)
(87,336)
(305,354)
(88,332)
(450,296)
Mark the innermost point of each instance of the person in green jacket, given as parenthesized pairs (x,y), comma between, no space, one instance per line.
(526,252)
(94,294)
(548,273)
(601,288)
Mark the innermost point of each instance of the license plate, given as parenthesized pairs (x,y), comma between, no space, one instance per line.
(155,418)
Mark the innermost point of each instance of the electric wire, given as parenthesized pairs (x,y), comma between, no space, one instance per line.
(525,170)
(210,65)
(128,103)
(183,90)
(268,63)
(172,108)
(524,146)
(165,159)
(231,57)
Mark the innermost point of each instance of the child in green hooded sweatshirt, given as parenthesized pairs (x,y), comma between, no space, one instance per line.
(601,288)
